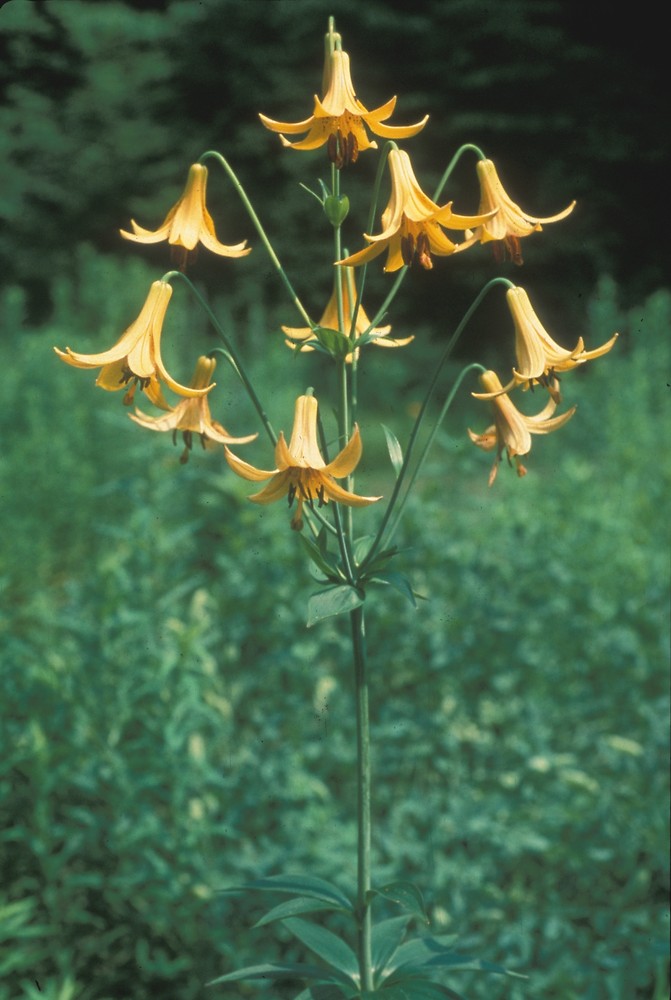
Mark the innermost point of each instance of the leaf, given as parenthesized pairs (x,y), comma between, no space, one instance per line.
(385,939)
(275,970)
(323,991)
(292,907)
(394,449)
(326,945)
(413,989)
(430,952)
(333,341)
(303,885)
(399,581)
(406,894)
(336,600)
(421,950)
(321,558)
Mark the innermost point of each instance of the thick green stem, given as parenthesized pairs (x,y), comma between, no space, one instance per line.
(363,797)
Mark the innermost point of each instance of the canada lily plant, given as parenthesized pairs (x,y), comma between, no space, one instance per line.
(378,958)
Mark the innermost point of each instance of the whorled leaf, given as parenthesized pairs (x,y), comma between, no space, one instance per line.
(385,939)
(326,945)
(394,449)
(279,970)
(405,894)
(294,907)
(301,885)
(336,600)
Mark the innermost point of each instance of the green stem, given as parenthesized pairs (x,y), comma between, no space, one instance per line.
(420,417)
(427,446)
(467,147)
(363,797)
(213,154)
(230,353)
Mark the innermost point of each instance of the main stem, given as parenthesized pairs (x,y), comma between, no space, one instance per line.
(363,796)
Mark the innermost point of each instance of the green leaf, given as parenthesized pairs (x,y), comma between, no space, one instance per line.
(321,558)
(421,950)
(385,939)
(292,907)
(326,945)
(333,341)
(436,952)
(406,894)
(303,885)
(276,970)
(323,991)
(337,600)
(394,449)
(399,582)
(413,989)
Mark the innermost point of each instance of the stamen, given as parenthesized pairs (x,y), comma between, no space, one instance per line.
(408,249)
(291,494)
(187,436)
(352,152)
(423,252)
(320,496)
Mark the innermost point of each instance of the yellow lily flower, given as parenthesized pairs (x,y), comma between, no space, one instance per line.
(539,358)
(192,416)
(511,429)
(301,472)
(411,223)
(338,118)
(188,222)
(510,223)
(136,357)
(306,337)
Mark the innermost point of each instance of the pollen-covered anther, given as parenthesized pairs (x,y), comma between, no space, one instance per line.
(343,149)
(423,253)
(408,249)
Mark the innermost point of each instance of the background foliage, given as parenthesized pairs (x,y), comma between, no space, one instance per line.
(169,726)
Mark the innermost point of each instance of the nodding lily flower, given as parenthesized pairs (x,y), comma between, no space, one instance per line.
(136,358)
(305,336)
(301,472)
(339,117)
(188,223)
(539,359)
(411,223)
(510,223)
(192,416)
(512,430)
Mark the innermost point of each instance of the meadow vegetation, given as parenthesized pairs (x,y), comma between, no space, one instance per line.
(170,726)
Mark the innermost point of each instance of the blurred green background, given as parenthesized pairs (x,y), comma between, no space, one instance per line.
(169,726)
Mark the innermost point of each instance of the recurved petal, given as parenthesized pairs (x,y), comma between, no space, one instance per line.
(541,425)
(275,490)
(247,471)
(394,131)
(291,128)
(347,460)
(335,492)
(365,255)
(140,235)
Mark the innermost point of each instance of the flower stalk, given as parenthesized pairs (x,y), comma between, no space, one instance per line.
(363,797)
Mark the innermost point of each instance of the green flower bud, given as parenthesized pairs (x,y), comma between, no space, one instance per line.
(336,208)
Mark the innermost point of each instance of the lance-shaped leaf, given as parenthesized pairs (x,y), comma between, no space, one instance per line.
(321,558)
(324,991)
(337,600)
(385,939)
(301,885)
(326,945)
(413,989)
(405,894)
(437,953)
(280,970)
(394,449)
(293,907)
(399,582)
